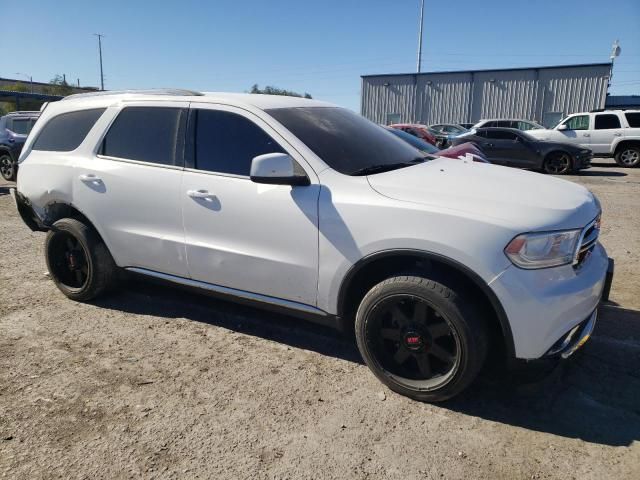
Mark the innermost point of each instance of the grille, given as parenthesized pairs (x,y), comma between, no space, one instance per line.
(588,242)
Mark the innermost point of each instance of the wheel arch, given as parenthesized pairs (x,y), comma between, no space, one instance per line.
(7,150)
(625,144)
(378,266)
(57,210)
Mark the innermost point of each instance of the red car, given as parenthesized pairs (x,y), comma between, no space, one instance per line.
(452,152)
(417,130)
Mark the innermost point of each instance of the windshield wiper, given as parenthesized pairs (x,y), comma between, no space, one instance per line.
(373,169)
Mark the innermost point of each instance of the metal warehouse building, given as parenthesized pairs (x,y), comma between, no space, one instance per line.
(544,94)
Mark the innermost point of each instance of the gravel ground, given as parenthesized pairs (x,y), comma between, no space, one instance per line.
(153,382)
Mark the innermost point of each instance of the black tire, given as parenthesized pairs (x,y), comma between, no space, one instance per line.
(558,163)
(628,157)
(436,308)
(8,167)
(78,260)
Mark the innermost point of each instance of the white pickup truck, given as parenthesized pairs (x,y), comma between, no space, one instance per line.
(607,133)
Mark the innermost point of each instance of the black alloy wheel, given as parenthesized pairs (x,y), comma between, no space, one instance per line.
(413,341)
(558,163)
(78,260)
(69,263)
(425,338)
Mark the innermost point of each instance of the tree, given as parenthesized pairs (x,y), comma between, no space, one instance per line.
(269,90)
(59,86)
(6,107)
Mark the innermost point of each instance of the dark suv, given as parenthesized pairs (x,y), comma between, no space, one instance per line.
(14,128)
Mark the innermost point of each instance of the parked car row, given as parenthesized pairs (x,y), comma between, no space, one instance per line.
(566,148)
(460,151)
(515,148)
(14,128)
(305,207)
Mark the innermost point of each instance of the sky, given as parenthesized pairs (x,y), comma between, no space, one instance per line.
(317,47)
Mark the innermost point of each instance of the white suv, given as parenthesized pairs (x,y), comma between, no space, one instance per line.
(302,206)
(607,133)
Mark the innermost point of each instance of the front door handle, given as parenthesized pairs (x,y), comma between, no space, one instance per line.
(200,194)
(89,177)
(488,144)
(586,135)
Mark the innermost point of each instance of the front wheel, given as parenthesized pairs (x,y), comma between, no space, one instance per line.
(420,337)
(7,167)
(558,163)
(78,260)
(628,156)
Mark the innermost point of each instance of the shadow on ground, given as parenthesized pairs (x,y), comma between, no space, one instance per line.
(600,173)
(593,396)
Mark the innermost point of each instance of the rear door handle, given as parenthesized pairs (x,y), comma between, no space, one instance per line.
(200,194)
(89,177)
(617,134)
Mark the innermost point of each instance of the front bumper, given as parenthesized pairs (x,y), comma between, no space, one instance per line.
(575,338)
(545,305)
(582,161)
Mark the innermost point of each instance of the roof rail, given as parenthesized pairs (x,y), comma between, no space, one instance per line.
(613,107)
(23,112)
(178,92)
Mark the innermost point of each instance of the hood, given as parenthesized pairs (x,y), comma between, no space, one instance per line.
(524,201)
(542,133)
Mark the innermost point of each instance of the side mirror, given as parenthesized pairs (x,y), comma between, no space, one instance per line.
(276,169)
(562,127)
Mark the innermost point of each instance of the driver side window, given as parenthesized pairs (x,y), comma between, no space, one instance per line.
(579,122)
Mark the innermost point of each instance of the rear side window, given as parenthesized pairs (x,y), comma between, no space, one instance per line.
(500,135)
(146,134)
(226,142)
(21,126)
(633,119)
(67,131)
(606,122)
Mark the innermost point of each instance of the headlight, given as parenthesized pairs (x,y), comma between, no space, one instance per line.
(542,250)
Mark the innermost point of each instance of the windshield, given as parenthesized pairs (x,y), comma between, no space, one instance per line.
(344,140)
(413,141)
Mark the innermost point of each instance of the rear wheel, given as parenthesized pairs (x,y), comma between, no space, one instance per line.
(7,167)
(420,337)
(558,163)
(78,260)
(628,156)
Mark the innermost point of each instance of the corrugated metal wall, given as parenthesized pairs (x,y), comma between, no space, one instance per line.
(536,93)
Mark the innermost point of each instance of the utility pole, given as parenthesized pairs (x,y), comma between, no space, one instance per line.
(420,36)
(615,53)
(99,35)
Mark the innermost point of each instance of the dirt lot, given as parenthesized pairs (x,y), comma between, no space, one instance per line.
(156,383)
